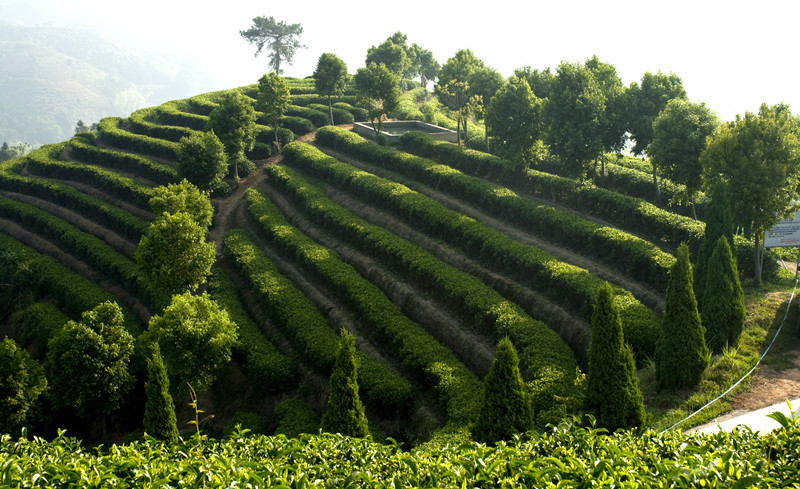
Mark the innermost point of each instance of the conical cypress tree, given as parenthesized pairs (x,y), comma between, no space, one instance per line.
(718,223)
(681,353)
(506,409)
(345,413)
(159,411)
(723,312)
(613,388)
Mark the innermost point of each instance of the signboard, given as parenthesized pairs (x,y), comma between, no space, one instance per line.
(785,234)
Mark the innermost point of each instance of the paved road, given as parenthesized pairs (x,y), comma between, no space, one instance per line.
(756,420)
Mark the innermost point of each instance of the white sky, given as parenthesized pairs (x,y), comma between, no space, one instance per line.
(732,55)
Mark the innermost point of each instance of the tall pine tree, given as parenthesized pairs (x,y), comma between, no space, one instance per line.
(160,421)
(506,409)
(723,310)
(613,388)
(345,413)
(719,222)
(681,353)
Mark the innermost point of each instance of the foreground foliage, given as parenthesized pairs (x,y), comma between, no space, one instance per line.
(566,456)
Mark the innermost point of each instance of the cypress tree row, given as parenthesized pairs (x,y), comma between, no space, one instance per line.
(506,410)
(681,353)
(719,222)
(345,413)
(723,310)
(160,421)
(613,389)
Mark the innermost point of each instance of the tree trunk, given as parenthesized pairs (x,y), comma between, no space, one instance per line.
(694,211)
(458,130)
(423,81)
(655,184)
(330,108)
(277,143)
(466,134)
(757,238)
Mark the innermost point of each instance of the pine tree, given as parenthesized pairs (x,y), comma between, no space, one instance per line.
(723,312)
(681,353)
(719,222)
(506,409)
(159,412)
(613,388)
(345,413)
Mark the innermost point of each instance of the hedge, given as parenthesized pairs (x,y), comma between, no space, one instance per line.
(316,117)
(297,125)
(141,123)
(303,100)
(173,114)
(340,116)
(417,349)
(43,163)
(541,349)
(110,216)
(70,291)
(268,370)
(35,324)
(630,254)
(571,286)
(87,247)
(303,324)
(111,134)
(360,114)
(84,150)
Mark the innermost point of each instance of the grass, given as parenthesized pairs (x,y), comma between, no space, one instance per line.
(766,308)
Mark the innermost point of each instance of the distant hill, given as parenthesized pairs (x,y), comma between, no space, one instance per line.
(51,77)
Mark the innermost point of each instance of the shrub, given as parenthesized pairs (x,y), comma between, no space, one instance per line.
(22,381)
(295,418)
(723,312)
(345,413)
(160,421)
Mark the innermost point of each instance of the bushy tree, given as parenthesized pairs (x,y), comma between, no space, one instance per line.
(572,115)
(183,197)
(195,337)
(453,87)
(679,137)
(345,413)
(514,122)
(279,38)
(428,66)
(540,81)
(87,363)
(484,85)
(681,353)
(160,421)
(376,87)
(234,122)
(393,53)
(757,157)
(612,121)
(22,381)
(202,160)
(718,223)
(723,311)
(330,78)
(174,257)
(612,386)
(506,409)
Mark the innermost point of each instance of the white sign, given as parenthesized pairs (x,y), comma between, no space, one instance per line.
(785,234)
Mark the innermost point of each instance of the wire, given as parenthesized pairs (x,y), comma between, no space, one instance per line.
(786,314)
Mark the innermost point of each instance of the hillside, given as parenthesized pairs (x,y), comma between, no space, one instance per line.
(429,260)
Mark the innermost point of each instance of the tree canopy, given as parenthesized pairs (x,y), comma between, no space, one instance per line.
(330,77)
(279,38)
(183,197)
(757,157)
(234,122)
(273,100)
(202,160)
(376,87)
(514,121)
(22,381)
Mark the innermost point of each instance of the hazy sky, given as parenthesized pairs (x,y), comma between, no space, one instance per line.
(731,55)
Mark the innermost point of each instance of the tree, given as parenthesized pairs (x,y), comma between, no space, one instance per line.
(644,103)
(679,137)
(722,311)
(757,157)
(681,353)
(612,386)
(202,160)
(273,100)
(513,121)
(18,150)
(453,89)
(572,115)
(87,363)
(484,84)
(234,122)
(280,39)
(195,337)
(612,121)
(345,413)
(81,126)
(393,52)
(428,66)
(330,78)
(540,81)
(718,223)
(506,409)
(173,257)
(183,197)
(376,87)
(22,381)
(159,411)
